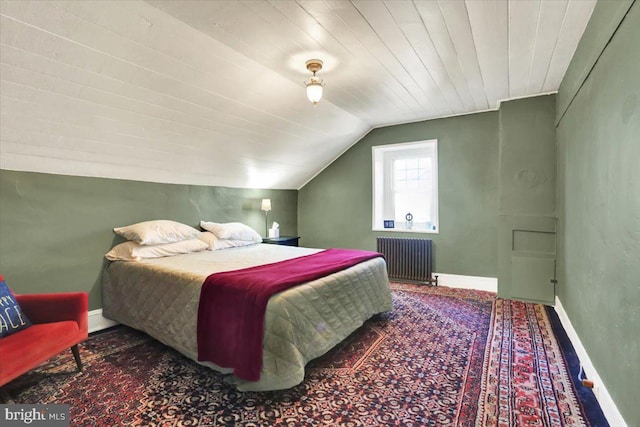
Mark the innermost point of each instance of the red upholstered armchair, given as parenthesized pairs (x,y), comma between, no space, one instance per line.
(59,321)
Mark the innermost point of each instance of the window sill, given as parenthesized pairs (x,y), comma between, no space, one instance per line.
(407,230)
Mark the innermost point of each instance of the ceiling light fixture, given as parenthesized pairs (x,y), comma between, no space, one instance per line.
(315,85)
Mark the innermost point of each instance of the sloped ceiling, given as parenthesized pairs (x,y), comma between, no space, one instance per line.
(212,93)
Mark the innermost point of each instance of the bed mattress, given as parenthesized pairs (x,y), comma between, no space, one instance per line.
(161,296)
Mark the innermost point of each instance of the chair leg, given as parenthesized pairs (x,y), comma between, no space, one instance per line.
(76,355)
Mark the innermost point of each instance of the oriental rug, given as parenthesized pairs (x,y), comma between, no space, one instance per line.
(442,357)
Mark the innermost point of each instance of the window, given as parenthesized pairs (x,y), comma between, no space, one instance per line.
(405,187)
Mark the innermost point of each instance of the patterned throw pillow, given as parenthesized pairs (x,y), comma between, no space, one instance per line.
(12,319)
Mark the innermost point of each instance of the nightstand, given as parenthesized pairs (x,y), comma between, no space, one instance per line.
(282,240)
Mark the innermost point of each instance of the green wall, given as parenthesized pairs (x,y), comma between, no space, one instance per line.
(55,229)
(335,207)
(598,136)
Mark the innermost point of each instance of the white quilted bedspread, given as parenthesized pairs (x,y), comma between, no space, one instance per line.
(160,297)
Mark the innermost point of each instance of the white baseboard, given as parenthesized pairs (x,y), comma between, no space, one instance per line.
(98,322)
(607,404)
(489,284)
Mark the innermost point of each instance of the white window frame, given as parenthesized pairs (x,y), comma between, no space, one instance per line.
(382,157)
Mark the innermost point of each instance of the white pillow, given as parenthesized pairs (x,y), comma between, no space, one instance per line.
(224,244)
(214,243)
(131,251)
(232,231)
(210,239)
(157,232)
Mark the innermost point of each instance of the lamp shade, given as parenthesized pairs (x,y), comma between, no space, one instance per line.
(314,91)
(266,205)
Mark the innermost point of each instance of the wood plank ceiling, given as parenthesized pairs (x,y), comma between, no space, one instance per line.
(211,92)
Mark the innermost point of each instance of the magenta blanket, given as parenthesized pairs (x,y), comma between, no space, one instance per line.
(233,304)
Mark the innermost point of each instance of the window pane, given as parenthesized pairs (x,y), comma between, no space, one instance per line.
(412,164)
(412,174)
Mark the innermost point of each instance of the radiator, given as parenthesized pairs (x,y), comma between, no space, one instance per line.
(408,259)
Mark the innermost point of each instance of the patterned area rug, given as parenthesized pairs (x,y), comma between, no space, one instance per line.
(442,357)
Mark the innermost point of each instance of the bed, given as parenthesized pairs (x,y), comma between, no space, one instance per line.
(161,297)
